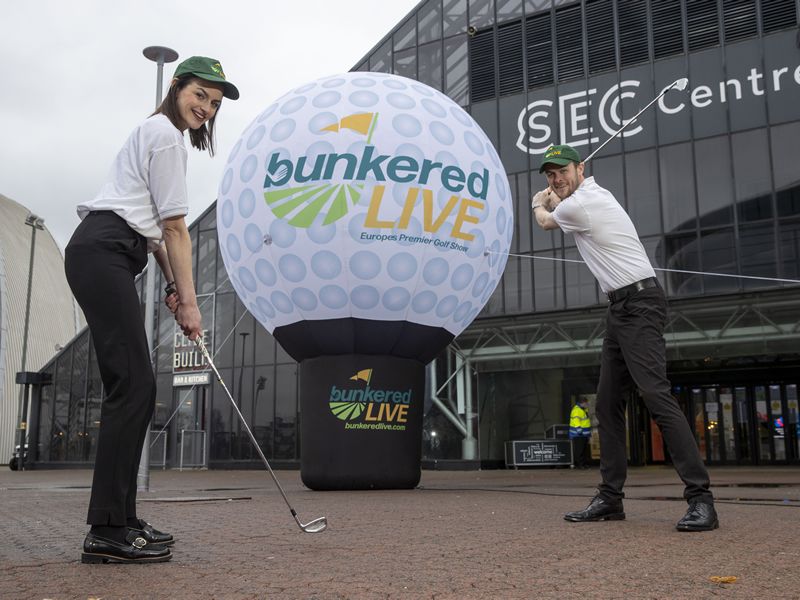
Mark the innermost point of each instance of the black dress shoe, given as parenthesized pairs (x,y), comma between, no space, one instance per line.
(153,535)
(598,510)
(701,516)
(135,550)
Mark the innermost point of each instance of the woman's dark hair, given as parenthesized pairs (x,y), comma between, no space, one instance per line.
(202,138)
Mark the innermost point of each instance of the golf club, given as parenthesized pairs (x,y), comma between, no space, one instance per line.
(314,526)
(678,84)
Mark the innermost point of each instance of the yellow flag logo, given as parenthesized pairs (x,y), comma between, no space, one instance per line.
(362,375)
(363,123)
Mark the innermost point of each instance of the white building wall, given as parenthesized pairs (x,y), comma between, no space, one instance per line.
(54,316)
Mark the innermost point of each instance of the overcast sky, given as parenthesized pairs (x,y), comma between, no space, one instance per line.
(75,82)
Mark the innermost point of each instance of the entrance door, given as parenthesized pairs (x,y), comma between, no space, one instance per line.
(714,423)
(777,422)
(792,425)
(764,439)
(743,426)
(190,426)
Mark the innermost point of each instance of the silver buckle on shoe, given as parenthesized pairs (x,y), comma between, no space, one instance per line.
(139,542)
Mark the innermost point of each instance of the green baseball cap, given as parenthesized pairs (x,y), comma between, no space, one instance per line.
(560,155)
(209,69)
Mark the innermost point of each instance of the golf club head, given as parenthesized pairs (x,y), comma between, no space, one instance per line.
(680,84)
(315,526)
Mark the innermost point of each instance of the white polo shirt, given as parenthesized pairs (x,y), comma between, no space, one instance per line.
(605,236)
(147,181)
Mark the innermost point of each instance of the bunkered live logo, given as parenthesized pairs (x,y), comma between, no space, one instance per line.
(368,407)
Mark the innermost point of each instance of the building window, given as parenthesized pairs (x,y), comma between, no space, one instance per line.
(508,10)
(481,13)
(677,187)
(785,158)
(751,171)
(569,43)
(430,65)
(633,44)
(405,63)
(455,17)
(642,191)
(429,19)
(712,158)
(481,66)
(778,14)
(757,254)
(600,36)
(680,254)
(667,29)
(406,34)
(539,50)
(789,236)
(509,49)
(456,73)
(718,255)
(739,19)
(703,27)
(381,59)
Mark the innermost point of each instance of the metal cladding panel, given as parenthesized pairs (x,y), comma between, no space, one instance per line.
(52,314)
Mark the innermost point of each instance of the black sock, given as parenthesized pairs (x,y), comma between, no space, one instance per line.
(109,532)
(134,523)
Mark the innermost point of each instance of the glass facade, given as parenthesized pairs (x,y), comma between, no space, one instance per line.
(709,176)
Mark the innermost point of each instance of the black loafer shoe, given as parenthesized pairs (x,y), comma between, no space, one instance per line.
(135,550)
(598,510)
(701,516)
(153,535)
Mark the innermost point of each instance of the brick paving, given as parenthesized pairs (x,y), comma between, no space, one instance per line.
(476,534)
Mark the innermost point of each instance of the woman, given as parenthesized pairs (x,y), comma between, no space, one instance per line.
(140,209)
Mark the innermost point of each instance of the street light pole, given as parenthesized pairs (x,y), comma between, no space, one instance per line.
(34,223)
(160,55)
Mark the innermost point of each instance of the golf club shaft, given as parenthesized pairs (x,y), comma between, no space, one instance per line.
(629,121)
(207,356)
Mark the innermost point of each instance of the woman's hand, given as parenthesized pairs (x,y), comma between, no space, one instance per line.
(172,301)
(188,318)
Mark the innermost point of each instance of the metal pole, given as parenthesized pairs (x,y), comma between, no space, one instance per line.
(244,335)
(469,445)
(160,55)
(22,431)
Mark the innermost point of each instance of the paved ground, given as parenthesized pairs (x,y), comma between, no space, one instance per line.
(481,534)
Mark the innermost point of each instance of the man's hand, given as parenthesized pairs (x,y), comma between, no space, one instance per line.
(547,199)
(543,204)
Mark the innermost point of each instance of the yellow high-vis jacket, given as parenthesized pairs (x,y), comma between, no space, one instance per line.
(579,423)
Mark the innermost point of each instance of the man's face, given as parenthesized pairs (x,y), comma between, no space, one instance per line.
(564,180)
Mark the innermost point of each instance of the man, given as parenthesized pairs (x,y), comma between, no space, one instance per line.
(580,430)
(634,347)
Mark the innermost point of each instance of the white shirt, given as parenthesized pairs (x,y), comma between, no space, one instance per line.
(147,181)
(605,236)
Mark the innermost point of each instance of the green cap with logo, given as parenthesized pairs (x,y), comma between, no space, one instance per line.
(209,69)
(559,155)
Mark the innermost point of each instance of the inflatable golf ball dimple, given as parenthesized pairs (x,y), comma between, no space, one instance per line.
(367,196)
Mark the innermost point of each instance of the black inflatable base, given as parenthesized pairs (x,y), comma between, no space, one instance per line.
(361,422)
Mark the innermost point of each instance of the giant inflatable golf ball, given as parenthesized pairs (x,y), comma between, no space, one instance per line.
(363,215)
(365,196)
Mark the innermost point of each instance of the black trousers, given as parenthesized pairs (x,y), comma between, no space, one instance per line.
(634,353)
(101,261)
(580,450)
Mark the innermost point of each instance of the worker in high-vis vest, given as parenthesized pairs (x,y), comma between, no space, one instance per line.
(580,430)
